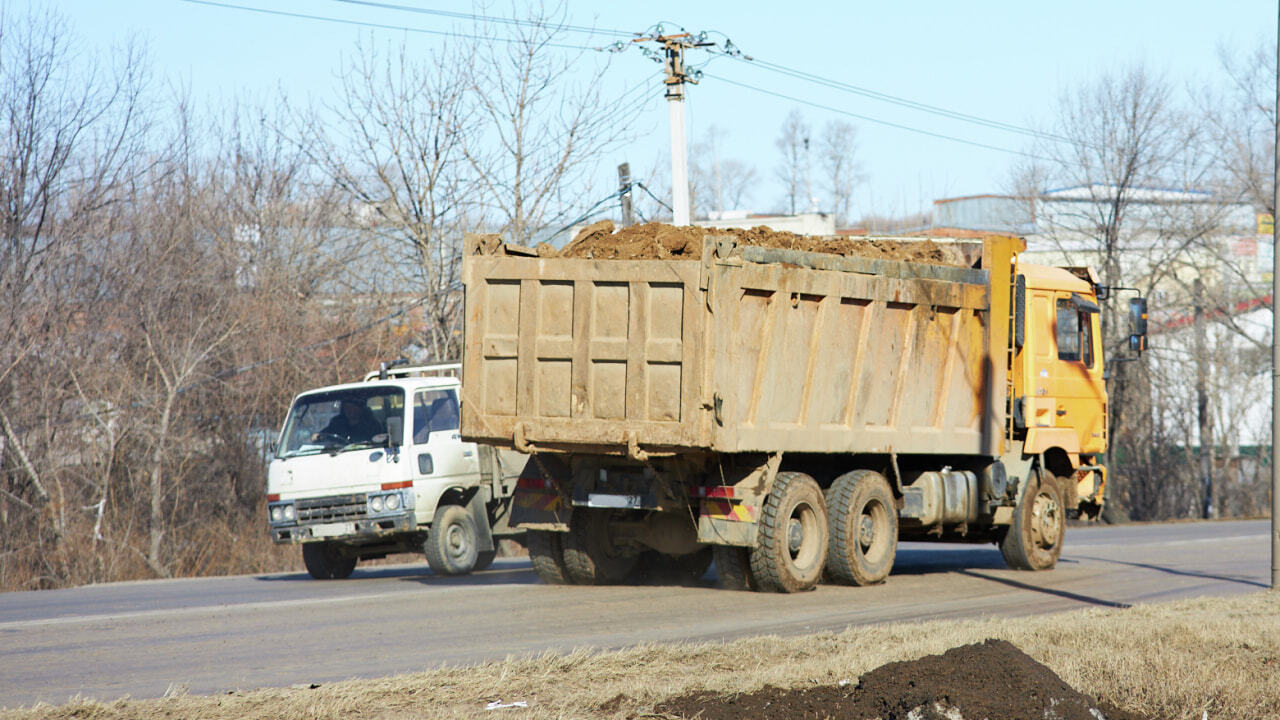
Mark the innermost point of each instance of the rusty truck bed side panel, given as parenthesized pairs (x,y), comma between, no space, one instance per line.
(584,352)
(810,360)
(731,355)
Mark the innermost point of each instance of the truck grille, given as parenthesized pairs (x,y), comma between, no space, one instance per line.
(328,509)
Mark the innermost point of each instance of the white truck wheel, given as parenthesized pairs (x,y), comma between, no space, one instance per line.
(453,545)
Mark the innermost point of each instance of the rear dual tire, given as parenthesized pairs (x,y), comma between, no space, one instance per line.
(546,553)
(864,528)
(591,557)
(791,536)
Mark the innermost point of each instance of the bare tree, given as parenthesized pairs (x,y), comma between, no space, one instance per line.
(792,171)
(1116,140)
(73,133)
(1243,119)
(397,152)
(545,123)
(837,158)
(717,183)
(1139,168)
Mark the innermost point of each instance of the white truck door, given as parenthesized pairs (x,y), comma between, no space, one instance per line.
(436,435)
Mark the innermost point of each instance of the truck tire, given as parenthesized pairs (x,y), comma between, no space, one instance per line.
(547,555)
(864,528)
(733,567)
(791,538)
(590,555)
(453,544)
(1034,539)
(324,561)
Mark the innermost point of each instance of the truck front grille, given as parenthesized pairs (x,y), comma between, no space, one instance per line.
(335,507)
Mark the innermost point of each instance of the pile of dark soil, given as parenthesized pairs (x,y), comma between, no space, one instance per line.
(992,680)
(656,241)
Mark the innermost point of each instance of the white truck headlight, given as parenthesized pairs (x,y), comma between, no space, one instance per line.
(290,512)
(375,503)
(393,501)
(277,513)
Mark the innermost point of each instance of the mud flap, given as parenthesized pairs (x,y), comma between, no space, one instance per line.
(722,531)
(539,510)
(480,514)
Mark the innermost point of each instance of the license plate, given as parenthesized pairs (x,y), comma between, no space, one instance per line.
(601,500)
(333,529)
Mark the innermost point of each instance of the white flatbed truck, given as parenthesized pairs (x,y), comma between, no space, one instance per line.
(365,469)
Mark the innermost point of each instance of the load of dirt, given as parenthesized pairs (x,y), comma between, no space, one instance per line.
(657,241)
(993,680)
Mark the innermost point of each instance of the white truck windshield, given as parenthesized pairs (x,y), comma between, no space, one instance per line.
(340,420)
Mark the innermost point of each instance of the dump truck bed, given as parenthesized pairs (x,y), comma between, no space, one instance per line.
(747,349)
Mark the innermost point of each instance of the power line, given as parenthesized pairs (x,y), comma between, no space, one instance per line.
(487,18)
(867,118)
(903,102)
(591,211)
(378,26)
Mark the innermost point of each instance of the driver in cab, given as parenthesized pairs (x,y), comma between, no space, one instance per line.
(354,424)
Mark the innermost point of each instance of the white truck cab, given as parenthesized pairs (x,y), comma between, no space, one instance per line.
(378,466)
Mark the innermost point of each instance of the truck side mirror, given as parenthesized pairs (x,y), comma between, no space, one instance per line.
(395,431)
(1138,324)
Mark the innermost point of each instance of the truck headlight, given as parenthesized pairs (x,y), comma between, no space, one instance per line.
(283,512)
(375,503)
(393,501)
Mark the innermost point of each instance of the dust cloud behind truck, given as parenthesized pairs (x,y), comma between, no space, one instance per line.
(782,410)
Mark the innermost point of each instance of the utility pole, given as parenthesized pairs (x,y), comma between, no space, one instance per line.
(808,178)
(1275,350)
(673,47)
(624,193)
(1203,418)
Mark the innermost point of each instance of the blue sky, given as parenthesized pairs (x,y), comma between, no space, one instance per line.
(1007,61)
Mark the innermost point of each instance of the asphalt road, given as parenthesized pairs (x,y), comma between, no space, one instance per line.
(209,635)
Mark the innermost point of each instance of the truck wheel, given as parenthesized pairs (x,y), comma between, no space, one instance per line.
(325,561)
(452,542)
(864,528)
(547,555)
(733,567)
(1034,540)
(484,559)
(590,554)
(791,539)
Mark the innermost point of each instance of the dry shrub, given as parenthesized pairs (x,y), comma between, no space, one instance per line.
(1176,661)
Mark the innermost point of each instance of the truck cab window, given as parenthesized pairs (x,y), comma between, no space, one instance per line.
(1068,330)
(340,420)
(1086,338)
(434,410)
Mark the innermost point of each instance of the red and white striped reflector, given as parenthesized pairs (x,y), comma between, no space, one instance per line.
(714,491)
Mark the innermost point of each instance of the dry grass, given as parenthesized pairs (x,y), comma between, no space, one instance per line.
(1174,661)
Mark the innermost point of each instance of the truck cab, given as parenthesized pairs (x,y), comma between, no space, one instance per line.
(1060,395)
(378,466)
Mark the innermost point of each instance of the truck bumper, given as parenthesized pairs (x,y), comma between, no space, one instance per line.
(359,528)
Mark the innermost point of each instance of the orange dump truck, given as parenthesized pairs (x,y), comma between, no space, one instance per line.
(785,412)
